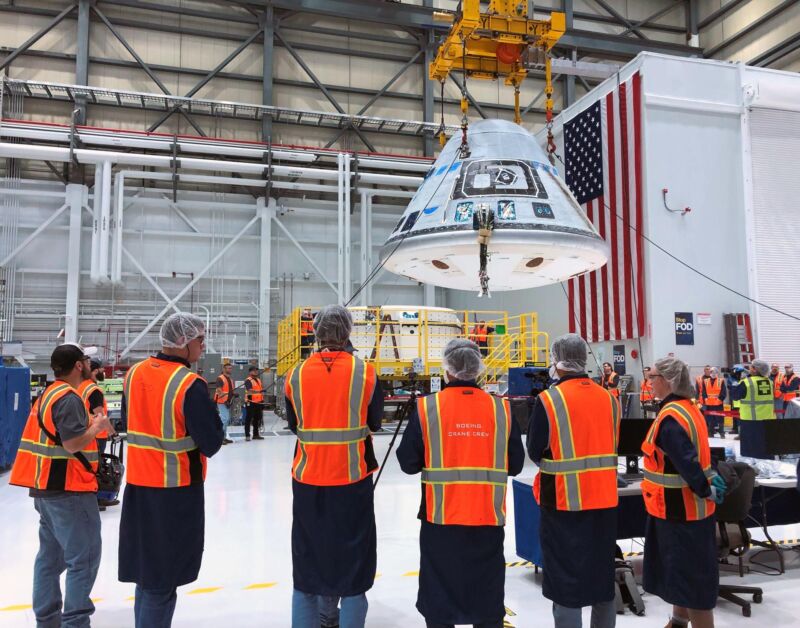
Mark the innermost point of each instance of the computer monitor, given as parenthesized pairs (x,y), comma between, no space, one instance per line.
(632,433)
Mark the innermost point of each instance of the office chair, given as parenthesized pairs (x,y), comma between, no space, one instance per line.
(733,539)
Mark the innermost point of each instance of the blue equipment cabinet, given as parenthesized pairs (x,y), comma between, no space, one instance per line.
(15,405)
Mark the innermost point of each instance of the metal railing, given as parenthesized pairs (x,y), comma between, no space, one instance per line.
(398,341)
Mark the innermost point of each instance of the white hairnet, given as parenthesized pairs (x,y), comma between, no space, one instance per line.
(676,374)
(761,367)
(569,353)
(332,326)
(462,359)
(180,329)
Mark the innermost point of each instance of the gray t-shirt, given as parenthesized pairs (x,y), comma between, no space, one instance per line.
(71,421)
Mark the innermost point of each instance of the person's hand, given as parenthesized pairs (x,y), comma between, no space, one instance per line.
(103,423)
(718,488)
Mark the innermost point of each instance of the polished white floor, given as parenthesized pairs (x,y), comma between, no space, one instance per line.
(246,576)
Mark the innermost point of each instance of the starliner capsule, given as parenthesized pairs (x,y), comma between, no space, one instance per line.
(539,234)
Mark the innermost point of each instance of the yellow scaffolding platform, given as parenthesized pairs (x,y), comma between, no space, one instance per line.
(399,341)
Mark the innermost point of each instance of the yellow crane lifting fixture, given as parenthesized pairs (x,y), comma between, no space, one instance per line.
(495,44)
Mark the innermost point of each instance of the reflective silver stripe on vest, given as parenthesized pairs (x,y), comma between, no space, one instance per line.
(667,480)
(357,386)
(297,402)
(333,437)
(168,428)
(561,467)
(435,440)
(54,451)
(470,476)
(177,446)
(501,420)
(572,488)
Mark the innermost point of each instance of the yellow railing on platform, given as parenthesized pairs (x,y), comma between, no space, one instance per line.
(398,341)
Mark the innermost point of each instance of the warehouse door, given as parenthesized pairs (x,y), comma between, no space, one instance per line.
(775,143)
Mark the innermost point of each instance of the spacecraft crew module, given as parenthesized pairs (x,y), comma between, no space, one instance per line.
(504,189)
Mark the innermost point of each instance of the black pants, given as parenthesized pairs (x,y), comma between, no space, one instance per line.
(306,346)
(489,624)
(254,416)
(484,347)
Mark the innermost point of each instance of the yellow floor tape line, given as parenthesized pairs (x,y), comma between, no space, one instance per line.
(411,573)
(202,591)
(17,607)
(130,599)
(260,585)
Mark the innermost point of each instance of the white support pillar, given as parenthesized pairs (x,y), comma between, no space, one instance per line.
(429,295)
(348,277)
(340,209)
(364,231)
(76,197)
(266,212)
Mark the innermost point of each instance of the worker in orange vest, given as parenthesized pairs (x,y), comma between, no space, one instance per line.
(333,402)
(466,444)
(680,491)
(306,333)
(223,397)
(698,382)
(712,399)
(610,380)
(572,436)
(57,461)
(790,385)
(480,336)
(254,403)
(776,377)
(173,427)
(646,397)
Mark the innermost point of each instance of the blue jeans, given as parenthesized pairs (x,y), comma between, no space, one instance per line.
(225,417)
(604,615)
(154,608)
(306,609)
(69,538)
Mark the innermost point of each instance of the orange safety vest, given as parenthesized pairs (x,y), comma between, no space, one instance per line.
(42,462)
(480,333)
(465,431)
(224,389)
(256,393)
(579,468)
(776,386)
(330,393)
(306,326)
(712,392)
(86,389)
(666,494)
(647,392)
(788,381)
(607,381)
(160,452)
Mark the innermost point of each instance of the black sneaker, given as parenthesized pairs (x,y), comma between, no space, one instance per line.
(247,438)
(258,437)
(226,441)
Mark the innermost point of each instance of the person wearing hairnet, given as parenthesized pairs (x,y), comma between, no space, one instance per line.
(572,436)
(333,401)
(466,444)
(680,491)
(173,426)
(754,394)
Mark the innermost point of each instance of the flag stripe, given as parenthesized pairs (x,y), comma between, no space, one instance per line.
(613,209)
(637,112)
(613,306)
(626,213)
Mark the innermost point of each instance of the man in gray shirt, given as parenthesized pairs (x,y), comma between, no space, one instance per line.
(57,461)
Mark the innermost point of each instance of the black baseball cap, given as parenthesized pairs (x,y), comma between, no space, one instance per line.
(252,368)
(65,356)
(95,364)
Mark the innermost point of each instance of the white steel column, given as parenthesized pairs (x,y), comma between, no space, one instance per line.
(429,295)
(348,277)
(340,209)
(105,221)
(75,197)
(266,211)
(364,231)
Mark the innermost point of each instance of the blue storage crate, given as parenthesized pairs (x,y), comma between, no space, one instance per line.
(15,405)
(526,522)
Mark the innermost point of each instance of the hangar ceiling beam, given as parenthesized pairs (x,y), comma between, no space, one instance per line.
(751,27)
(38,35)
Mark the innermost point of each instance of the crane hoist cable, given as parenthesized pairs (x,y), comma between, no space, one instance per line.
(548,105)
(464,149)
(483,223)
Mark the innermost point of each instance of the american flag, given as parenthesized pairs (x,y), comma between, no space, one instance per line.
(603,159)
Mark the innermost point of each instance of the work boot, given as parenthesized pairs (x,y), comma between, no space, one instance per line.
(247,438)
(258,437)
(226,441)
